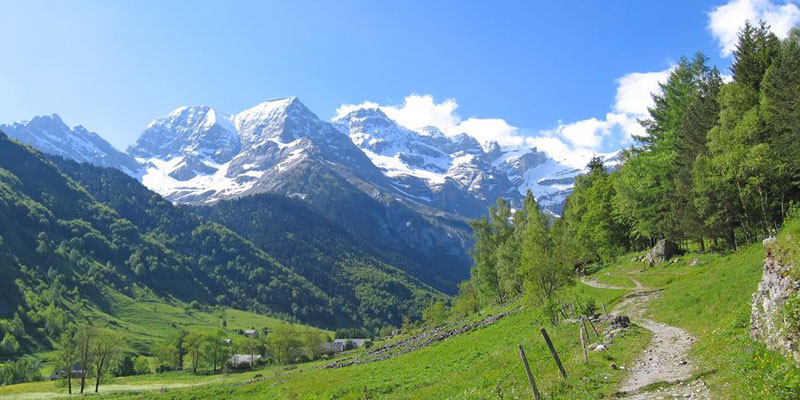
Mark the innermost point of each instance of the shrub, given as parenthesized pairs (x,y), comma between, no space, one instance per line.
(589,307)
(793,214)
(9,345)
(20,371)
(141,365)
(126,365)
(791,312)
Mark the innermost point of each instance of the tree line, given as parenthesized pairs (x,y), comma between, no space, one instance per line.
(720,163)
(718,168)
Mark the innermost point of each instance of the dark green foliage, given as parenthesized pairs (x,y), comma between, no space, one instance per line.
(125,366)
(591,230)
(517,254)
(238,273)
(646,188)
(352,333)
(755,51)
(20,371)
(373,286)
(719,163)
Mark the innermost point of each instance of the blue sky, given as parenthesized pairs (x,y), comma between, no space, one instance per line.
(546,70)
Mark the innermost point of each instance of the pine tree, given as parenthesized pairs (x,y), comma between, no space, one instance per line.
(781,109)
(756,48)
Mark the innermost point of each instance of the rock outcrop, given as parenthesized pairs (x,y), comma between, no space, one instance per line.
(662,251)
(768,322)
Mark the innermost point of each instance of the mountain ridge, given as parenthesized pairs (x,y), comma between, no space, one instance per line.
(407,191)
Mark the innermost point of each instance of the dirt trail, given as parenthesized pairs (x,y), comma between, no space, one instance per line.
(666,359)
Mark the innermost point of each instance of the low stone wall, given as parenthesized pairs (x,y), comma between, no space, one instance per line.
(768,322)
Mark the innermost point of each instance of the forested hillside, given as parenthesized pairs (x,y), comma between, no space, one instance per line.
(61,248)
(363,290)
(718,169)
(376,286)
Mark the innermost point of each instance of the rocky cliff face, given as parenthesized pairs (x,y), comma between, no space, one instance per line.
(768,322)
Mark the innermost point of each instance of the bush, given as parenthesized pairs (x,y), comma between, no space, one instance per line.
(302,359)
(9,345)
(20,371)
(387,330)
(126,365)
(352,334)
(791,312)
(589,307)
(141,365)
(793,214)
(435,314)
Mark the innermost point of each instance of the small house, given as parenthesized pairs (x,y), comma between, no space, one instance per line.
(251,333)
(332,347)
(244,360)
(351,343)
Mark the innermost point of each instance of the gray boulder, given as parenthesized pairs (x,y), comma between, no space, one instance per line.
(662,251)
(768,322)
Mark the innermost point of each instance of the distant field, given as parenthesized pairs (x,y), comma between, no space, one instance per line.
(146,320)
(481,363)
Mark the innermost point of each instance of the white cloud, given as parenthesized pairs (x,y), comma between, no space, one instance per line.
(576,142)
(418,111)
(726,20)
(572,142)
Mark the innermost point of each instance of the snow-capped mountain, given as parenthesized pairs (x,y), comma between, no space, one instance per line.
(51,135)
(456,173)
(198,155)
(411,191)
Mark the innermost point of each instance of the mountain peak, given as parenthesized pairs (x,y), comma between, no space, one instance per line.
(189,130)
(46,119)
(431,131)
(51,135)
(286,117)
(271,107)
(194,115)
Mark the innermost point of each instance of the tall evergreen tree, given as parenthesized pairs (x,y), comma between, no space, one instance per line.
(645,187)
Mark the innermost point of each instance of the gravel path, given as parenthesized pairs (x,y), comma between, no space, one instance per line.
(666,359)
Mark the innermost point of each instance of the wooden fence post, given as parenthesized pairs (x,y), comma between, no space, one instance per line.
(593,328)
(528,372)
(553,352)
(583,344)
(585,329)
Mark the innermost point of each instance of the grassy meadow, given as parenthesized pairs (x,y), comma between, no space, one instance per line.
(708,295)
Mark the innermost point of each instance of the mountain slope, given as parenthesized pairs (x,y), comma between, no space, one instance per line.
(51,135)
(401,191)
(286,149)
(53,229)
(363,290)
(456,173)
(371,283)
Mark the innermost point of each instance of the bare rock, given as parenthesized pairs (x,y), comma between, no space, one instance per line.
(767,321)
(662,251)
(620,322)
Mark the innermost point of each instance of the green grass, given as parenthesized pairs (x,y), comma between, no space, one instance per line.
(482,363)
(146,320)
(712,301)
